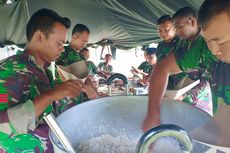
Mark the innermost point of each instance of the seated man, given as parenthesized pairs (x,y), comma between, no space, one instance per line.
(104,68)
(144,68)
(27,87)
(151,59)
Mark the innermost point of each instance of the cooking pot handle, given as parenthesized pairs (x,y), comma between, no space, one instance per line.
(119,76)
(164,130)
(59,133)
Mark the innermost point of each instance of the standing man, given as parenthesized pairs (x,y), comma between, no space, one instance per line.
(214,20)
(167,33)
(92,68)
(79,39)
(26,86)
(200,95)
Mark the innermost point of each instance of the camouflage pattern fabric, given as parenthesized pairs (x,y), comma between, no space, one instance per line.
(21,80)
(200,95)
(69,56)
(163,50)
(199,56)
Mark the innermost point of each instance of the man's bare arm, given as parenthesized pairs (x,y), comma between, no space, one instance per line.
(70,88)
(158,84)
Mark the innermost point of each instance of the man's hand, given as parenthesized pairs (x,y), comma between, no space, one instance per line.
(101,94)
(90,92)
(70,88)
(149,123)
(134,70)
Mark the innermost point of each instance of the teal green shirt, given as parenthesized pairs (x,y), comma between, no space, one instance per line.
(102,67)
(145,67)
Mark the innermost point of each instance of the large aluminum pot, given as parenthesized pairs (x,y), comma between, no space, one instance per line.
(122,115)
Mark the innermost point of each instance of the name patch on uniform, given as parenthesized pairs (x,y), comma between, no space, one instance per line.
(3,98)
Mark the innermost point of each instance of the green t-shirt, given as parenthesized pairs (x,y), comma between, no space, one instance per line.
(103,67)
(199,56)
(145,67)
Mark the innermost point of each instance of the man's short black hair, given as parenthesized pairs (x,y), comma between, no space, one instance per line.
(79,28)
(108,55)
(44,20)
(185,12)
(164,18)
(211,8)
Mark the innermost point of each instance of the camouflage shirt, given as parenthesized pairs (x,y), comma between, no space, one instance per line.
(21,80)
(163,50)
(200,95)
(69,56)
(199,56)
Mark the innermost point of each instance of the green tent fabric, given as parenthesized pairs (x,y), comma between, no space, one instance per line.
(124,23)
(13,19)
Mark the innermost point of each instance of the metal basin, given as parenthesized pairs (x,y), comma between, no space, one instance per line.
(124,115)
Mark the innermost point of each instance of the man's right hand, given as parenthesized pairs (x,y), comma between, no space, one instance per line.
(70,88)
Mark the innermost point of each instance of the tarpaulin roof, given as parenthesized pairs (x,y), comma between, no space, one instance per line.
(125,23)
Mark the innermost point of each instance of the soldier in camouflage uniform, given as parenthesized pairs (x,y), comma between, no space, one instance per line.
(200,95)
(80,36)
(211,15)
(27,88)
(79,39)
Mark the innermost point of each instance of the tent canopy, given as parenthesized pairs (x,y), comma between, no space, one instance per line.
(124,23)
